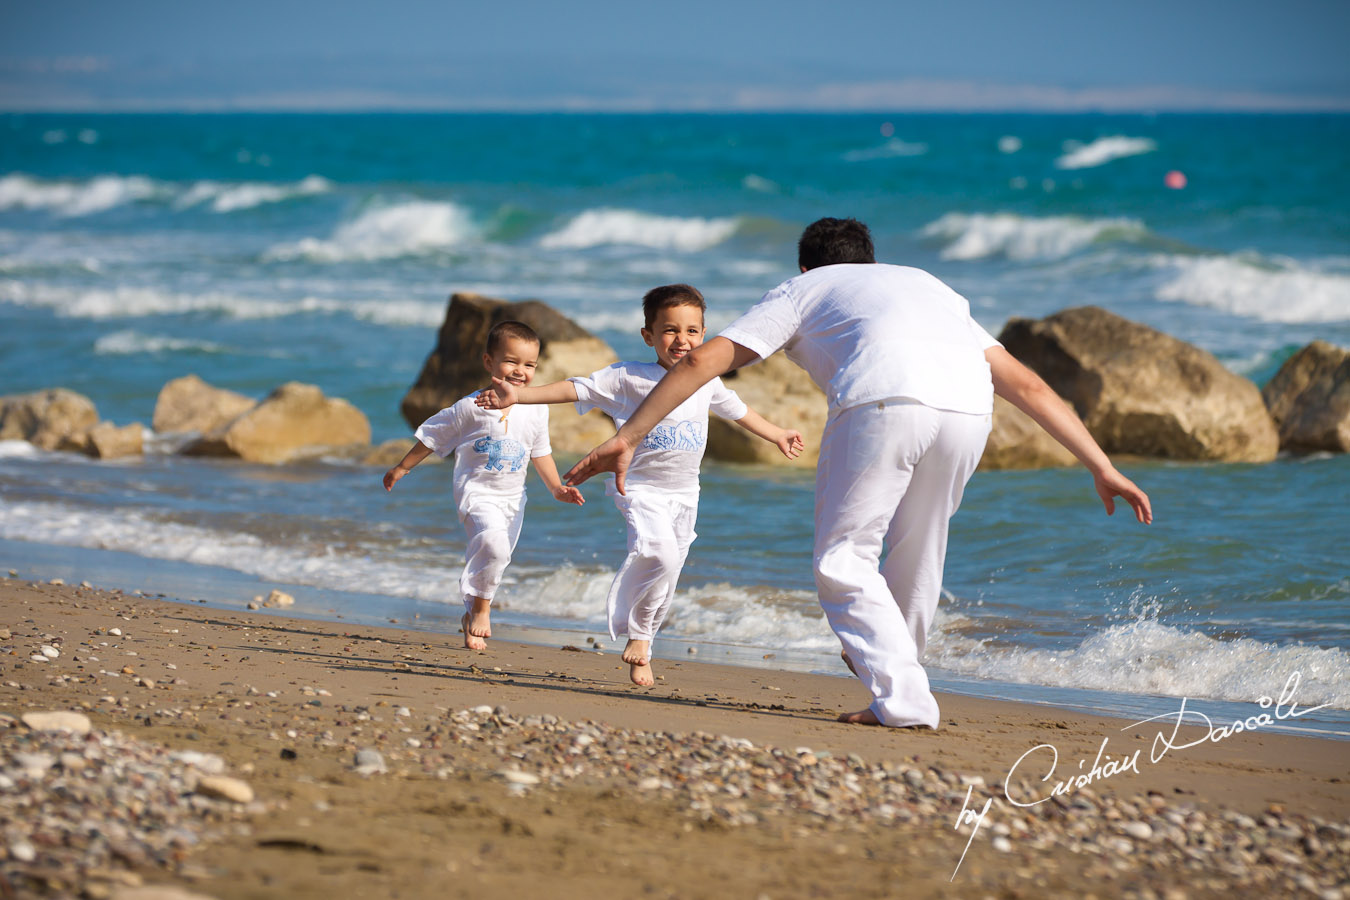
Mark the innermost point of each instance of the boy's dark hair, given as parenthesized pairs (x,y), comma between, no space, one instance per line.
(503,331)
(668,295)
(827,242)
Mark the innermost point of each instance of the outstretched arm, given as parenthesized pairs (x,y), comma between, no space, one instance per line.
(415,455)
(788,440)
(717,357)
(503,394)
(548,473)
(1028,392)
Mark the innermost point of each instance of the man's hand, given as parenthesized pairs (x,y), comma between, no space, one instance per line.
(613,455)
(567,494)
(393,475)
(501,395)
(1111,484)
(790,443)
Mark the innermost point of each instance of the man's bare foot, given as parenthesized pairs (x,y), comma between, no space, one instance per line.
(843,654)
(861,717)
(638,656)
(477,624)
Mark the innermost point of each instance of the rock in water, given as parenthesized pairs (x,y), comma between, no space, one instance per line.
(51,419)
(190,404)
(225,788)
(784,394)
(279,600)
(1143,393)
(295,421)
(106,441)
(455,366)
(76,723)
(1017,442)
(1309,398)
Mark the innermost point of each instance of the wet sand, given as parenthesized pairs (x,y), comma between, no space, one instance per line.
(525,771)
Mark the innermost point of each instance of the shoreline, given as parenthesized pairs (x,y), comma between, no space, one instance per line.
(250,687)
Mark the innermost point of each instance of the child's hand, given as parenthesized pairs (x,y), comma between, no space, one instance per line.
(393,475)
(567,494)
(501,395)
(790,443)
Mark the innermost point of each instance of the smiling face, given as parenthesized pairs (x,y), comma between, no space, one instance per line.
(675,331)
(513,361)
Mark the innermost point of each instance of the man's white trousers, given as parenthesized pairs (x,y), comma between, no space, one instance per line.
(890,476)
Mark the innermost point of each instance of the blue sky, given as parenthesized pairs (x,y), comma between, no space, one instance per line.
(694,54)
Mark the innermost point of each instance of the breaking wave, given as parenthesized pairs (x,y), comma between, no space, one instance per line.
(75,198)
(387,232)
(227,198)
(1270,291)
(1102,151)
(599,227)
(984,235)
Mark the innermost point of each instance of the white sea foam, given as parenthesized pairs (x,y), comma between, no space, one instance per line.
(892,149)
(983,235)
(74,198)
(1102,151)
(1269,290)
(1145,657)
(387,232)
(17,448)
(226,198)
(1009,143)
(760,183)
(130,342)
(598,227)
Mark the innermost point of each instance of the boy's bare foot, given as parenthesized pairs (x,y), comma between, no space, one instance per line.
(638,656)
(861,717)
(477,624)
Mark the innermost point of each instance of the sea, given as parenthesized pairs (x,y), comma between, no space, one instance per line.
(253,250)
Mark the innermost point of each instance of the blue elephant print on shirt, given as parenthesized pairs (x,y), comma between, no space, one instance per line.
(501,453)
(686,435)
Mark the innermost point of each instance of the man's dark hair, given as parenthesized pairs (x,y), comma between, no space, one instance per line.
(503,331)
(668,295)
(827,242)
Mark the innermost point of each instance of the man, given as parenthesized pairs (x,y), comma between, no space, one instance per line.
(910,379)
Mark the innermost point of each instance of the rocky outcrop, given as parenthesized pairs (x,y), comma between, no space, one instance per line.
(53,419)
(1017,442)
(782,393)
(1141,392)
(107,441)
(190,404)
(455,366)
(295,421)
(1309,399)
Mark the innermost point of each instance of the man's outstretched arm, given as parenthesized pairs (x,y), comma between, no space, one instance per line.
(717,357)
(1027,391)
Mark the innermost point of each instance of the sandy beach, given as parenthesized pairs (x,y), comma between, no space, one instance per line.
(388,763)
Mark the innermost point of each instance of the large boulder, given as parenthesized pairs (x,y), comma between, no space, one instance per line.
(295,421)
(455,366)
(1017,442)
(1309,399)
(1143,393)
(54,419)
(190,404)
(782,393)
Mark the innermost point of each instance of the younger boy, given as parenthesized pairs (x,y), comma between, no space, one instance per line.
(661,502)
(490,451)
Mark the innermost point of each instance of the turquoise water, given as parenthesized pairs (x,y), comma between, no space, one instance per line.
(253,250)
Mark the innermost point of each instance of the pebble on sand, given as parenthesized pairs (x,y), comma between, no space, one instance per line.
(76,723)
(369,761)
(279,600)
(225,788)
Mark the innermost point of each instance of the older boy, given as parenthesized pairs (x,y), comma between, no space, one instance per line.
(490,453)
(910,379)
(661,503)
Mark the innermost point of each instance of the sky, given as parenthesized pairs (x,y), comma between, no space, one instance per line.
(717,55)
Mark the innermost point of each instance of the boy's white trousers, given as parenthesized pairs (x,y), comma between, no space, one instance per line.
(493,524)
(660,530)
(890,475)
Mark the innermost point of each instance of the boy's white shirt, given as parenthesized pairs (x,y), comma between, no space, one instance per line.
(868,332)
(492,448)
(669,457)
